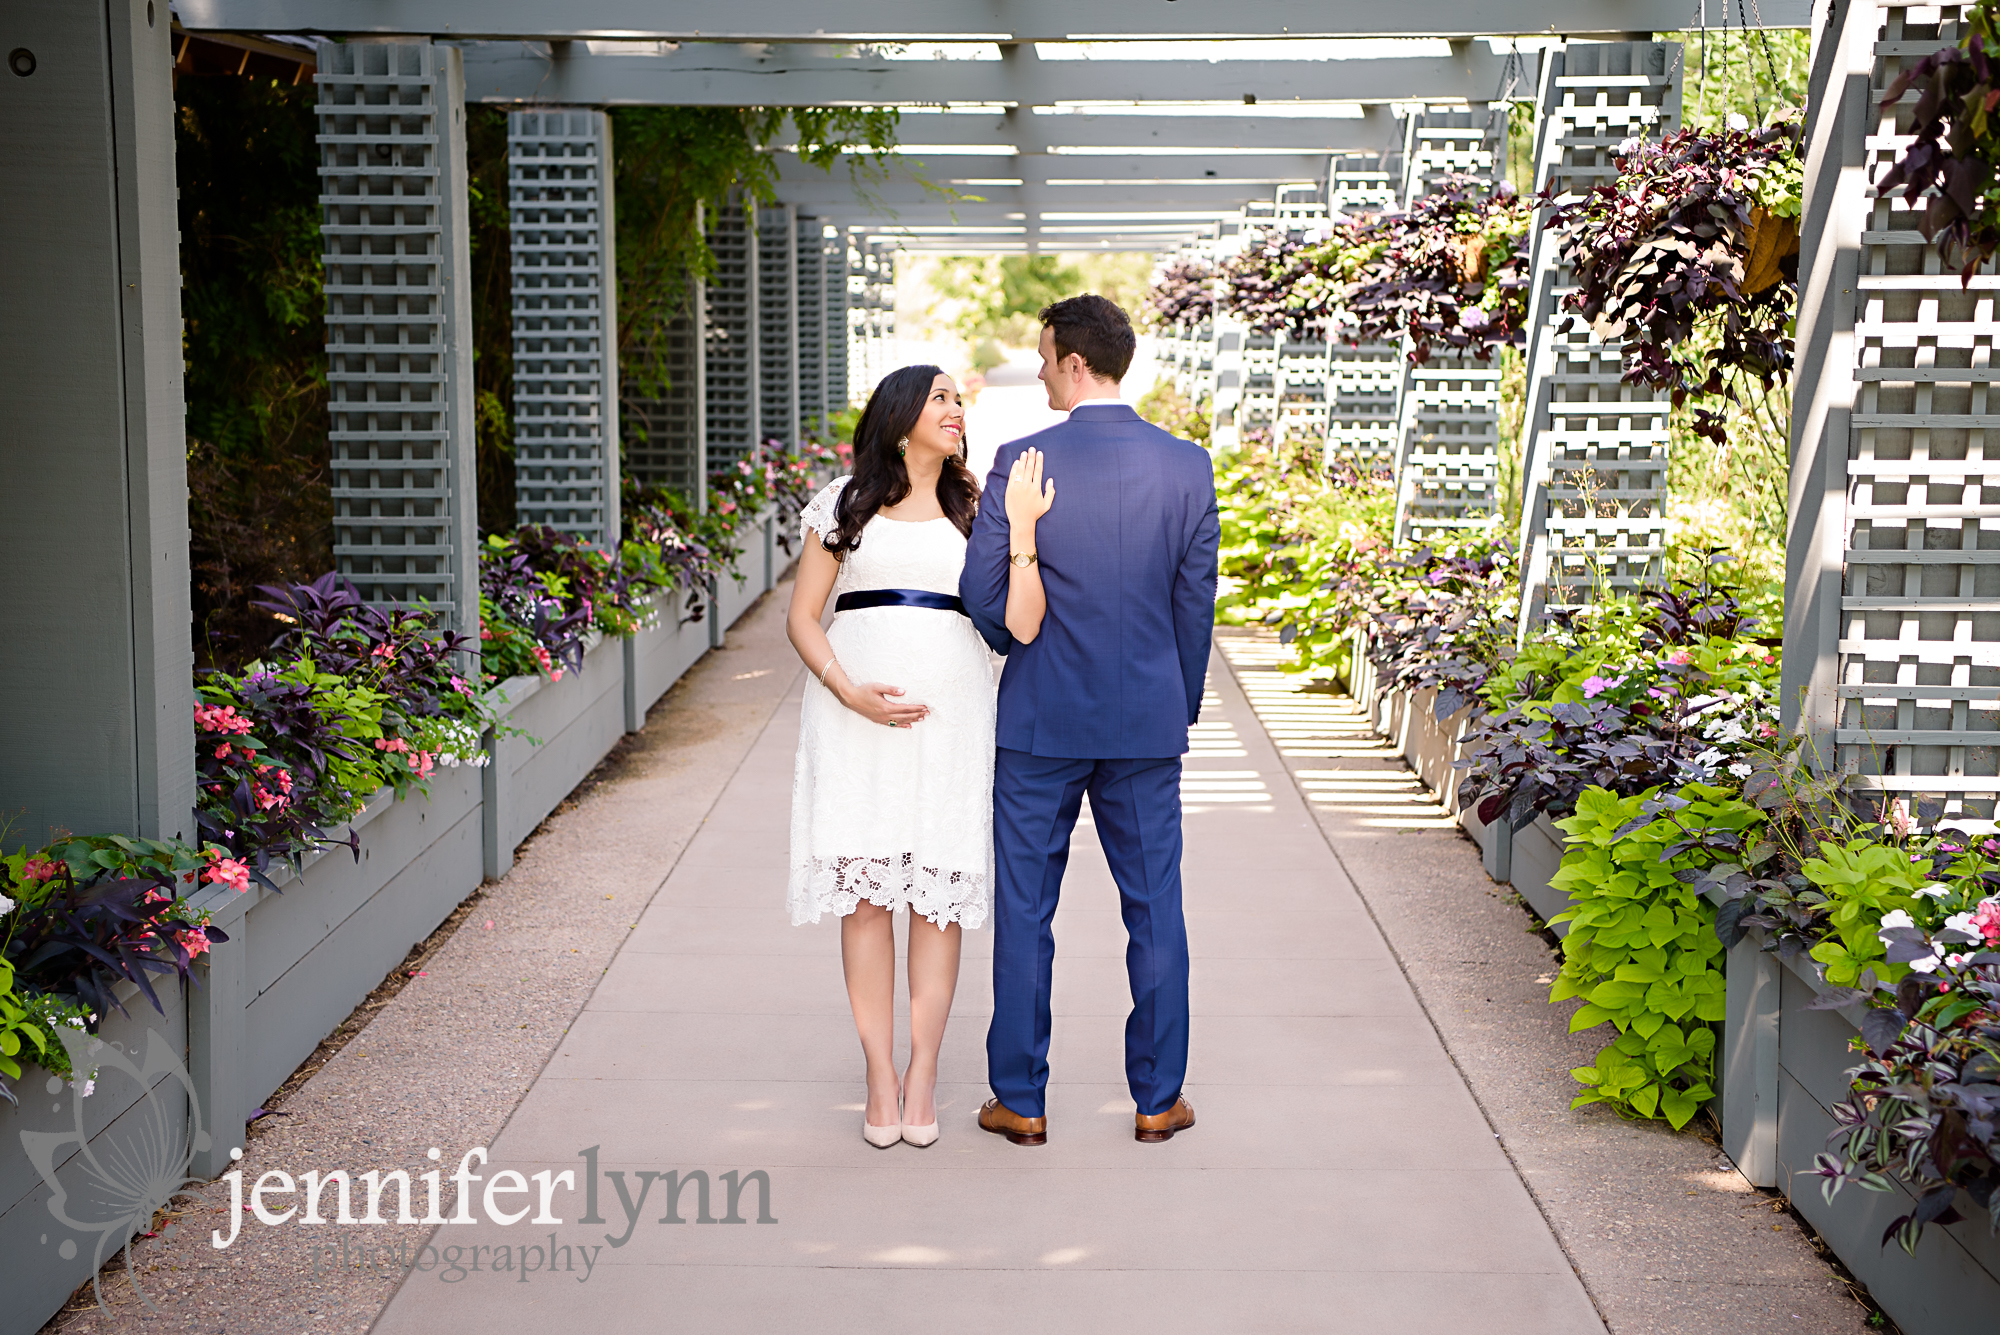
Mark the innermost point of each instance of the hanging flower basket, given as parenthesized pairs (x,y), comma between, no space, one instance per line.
(1449,274)
(1689,257)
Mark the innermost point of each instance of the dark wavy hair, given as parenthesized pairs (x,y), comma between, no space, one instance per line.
(879,475)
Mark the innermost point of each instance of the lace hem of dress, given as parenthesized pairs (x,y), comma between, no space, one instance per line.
(838,885)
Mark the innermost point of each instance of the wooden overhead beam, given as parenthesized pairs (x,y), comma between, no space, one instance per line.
(965,20)
(714,74)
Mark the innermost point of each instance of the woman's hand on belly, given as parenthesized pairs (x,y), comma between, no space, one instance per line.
(876,701)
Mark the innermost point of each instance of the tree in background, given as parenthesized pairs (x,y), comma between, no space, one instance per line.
(998,296)
(260,502)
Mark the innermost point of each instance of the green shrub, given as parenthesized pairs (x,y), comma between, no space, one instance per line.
(1642,950)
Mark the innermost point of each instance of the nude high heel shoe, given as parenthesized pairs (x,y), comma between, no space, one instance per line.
(923,1137)
(882,1137)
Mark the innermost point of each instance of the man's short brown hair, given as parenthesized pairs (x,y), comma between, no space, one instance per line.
(1095,329)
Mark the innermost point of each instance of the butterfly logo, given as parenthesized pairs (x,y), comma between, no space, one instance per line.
(112,1187)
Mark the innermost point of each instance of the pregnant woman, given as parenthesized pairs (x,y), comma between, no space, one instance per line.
(892,794)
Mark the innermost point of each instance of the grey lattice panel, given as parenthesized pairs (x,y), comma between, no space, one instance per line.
(397,384)
(871,291)
(665,429)
(1444,141)
(1298,206)
(1258,408)
(733,361)
(833,257)
(1446,479)
(778,331)
(1302,390)
(1447,437)
(809,265)
(1918,712)
(565,370)
(1364,398)
(1364,387)
(1363,185)
(1593,513)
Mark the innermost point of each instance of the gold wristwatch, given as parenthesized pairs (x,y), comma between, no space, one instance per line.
(1023,559)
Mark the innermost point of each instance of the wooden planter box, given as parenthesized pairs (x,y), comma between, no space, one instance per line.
(661,653)
(1528,858)
(39,1278)
(1783,1069)
(570,725)
(753,574)
(298,962)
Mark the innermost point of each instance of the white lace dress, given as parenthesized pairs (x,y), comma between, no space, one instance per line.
(897,815)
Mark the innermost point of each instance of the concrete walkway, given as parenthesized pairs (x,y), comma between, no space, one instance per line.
(1342,1178)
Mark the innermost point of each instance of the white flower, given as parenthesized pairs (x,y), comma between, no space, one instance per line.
(1710,758)
(1962,924)
(1729,731)
(6,906)
(1738,121)
(1895,918)
(1924,965)
(1740,769)
(85,1090)
(1933,890)
(1957,961)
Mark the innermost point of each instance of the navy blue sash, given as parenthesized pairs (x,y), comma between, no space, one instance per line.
(942,602)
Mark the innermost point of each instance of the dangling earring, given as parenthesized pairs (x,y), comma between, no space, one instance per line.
(903,448)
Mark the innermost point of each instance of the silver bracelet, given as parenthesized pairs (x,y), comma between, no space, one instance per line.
(831,660)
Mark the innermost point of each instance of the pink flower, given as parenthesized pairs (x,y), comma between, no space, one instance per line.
(384,651)
(220,718)
(266,799)
(1596,686)
(194,941)
(1679,658)
(228,871)
(40,869)
(422,763)
(391,744)
(158,897)
(223,752)
(458,684)
(1986,919)
(1767,729)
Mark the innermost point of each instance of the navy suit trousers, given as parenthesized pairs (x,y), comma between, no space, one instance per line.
(1136,805)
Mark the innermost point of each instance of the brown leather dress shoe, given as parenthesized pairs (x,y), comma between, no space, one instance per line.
(1154,1127)
(996,1117)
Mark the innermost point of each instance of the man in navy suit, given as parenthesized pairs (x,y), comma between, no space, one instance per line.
(1098,702)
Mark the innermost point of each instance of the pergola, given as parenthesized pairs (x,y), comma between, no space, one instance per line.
(1065,136)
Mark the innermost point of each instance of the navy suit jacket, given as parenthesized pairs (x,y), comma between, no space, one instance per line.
(1128,559)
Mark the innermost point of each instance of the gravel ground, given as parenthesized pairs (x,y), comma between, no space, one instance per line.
(1667,1236)
(441,1058)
